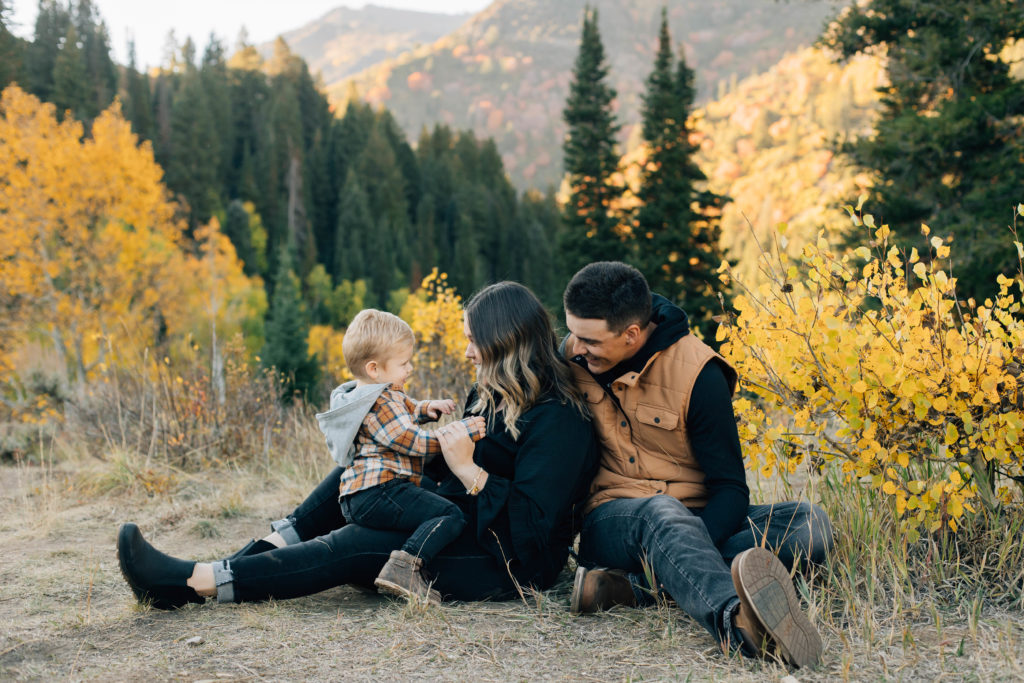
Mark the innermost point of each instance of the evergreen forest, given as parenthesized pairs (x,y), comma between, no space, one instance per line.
(256,144)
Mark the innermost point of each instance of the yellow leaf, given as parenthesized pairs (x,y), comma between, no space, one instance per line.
(951,434)
(889,488)
(925,230)
(920,271)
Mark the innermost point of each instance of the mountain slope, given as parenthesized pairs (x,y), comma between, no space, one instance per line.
(346,41)
(505,73)
(769,146)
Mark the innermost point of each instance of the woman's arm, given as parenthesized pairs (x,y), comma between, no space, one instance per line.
(552,469)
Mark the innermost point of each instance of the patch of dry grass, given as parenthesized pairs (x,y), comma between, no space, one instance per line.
(66,613)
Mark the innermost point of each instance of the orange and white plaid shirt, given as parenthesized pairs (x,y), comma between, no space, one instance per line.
(390,443)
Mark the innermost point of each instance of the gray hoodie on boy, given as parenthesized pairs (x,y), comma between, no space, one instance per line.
(349,405)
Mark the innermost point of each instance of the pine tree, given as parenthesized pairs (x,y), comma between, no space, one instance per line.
(590,158)
(101,73)
(238,230)
(138,104)
(70,80)
(194,149)
(949,146)
(52,23)
(354,227)
(12,50)
(286,333)
(677,228)
(213,75)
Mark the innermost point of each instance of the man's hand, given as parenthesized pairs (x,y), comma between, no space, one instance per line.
(436,409)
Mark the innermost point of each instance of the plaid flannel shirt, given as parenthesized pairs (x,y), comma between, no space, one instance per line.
(390,444)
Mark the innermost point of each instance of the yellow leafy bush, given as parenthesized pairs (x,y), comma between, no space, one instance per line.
(325,342)
(869,359)
(435,314)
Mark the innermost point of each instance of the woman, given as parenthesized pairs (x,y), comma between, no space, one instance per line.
(518,487)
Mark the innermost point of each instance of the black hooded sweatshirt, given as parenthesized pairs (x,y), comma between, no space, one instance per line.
(710,423)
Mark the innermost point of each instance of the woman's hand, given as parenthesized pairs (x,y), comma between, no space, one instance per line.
(457,448)
(436,409)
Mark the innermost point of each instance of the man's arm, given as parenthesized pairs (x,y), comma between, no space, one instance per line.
(711,426)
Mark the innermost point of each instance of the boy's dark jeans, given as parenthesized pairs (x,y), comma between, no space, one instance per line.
(400,505)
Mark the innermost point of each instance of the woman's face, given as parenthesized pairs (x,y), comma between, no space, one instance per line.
(472,352)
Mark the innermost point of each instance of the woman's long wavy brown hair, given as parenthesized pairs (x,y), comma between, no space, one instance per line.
(519,353)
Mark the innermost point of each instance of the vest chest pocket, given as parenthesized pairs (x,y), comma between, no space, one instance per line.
(656,416)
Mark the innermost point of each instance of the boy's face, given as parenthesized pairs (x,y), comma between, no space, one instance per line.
(601,348)
(397,368)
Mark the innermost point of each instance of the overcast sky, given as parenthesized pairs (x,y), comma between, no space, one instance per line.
(150,21)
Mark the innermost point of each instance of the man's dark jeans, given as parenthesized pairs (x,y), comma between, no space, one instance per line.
(400,505)
(663,536)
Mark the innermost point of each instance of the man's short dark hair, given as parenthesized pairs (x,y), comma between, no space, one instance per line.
(612,291)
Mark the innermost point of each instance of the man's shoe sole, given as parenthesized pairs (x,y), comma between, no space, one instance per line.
(763,584)
(577,591)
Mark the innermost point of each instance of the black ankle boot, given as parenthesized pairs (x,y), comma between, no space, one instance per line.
(152,575)
(253,547)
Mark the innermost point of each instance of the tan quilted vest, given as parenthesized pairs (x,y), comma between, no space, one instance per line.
(644,447)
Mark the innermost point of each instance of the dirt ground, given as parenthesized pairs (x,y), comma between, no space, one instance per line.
(66,613)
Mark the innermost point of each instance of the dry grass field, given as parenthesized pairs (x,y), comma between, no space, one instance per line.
(65,612)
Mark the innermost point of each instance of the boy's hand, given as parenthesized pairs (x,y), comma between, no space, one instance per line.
(436,409)
(477,427)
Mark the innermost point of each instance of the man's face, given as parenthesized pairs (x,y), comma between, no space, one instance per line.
(599,346)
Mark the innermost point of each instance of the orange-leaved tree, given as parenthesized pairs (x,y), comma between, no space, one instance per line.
(92,257)
(869,358)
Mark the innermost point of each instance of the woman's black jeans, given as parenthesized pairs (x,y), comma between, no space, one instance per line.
(332,553)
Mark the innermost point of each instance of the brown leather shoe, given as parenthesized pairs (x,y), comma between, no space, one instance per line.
(600,589)
(769,615)
(402,576)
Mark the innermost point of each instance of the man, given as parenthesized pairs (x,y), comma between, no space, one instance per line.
(670,498)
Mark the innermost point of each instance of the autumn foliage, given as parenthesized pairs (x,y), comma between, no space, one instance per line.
(94,263)
(435,314)
(869,359)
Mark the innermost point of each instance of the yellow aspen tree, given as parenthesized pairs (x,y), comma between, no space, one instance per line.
(92,257)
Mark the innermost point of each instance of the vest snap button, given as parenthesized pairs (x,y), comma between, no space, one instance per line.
(657,420)
(623,424)
(632,459)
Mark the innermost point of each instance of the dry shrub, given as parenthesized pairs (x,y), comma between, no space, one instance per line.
(176,414)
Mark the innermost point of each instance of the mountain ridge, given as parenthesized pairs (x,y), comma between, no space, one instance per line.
(505,72)
(344,41)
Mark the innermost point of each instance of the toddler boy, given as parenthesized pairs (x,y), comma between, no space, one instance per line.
(372,430)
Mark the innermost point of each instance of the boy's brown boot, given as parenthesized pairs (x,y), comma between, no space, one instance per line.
(600,589)
(402,576)
(770,617)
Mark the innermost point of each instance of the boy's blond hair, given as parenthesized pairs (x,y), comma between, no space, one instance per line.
(373,335)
